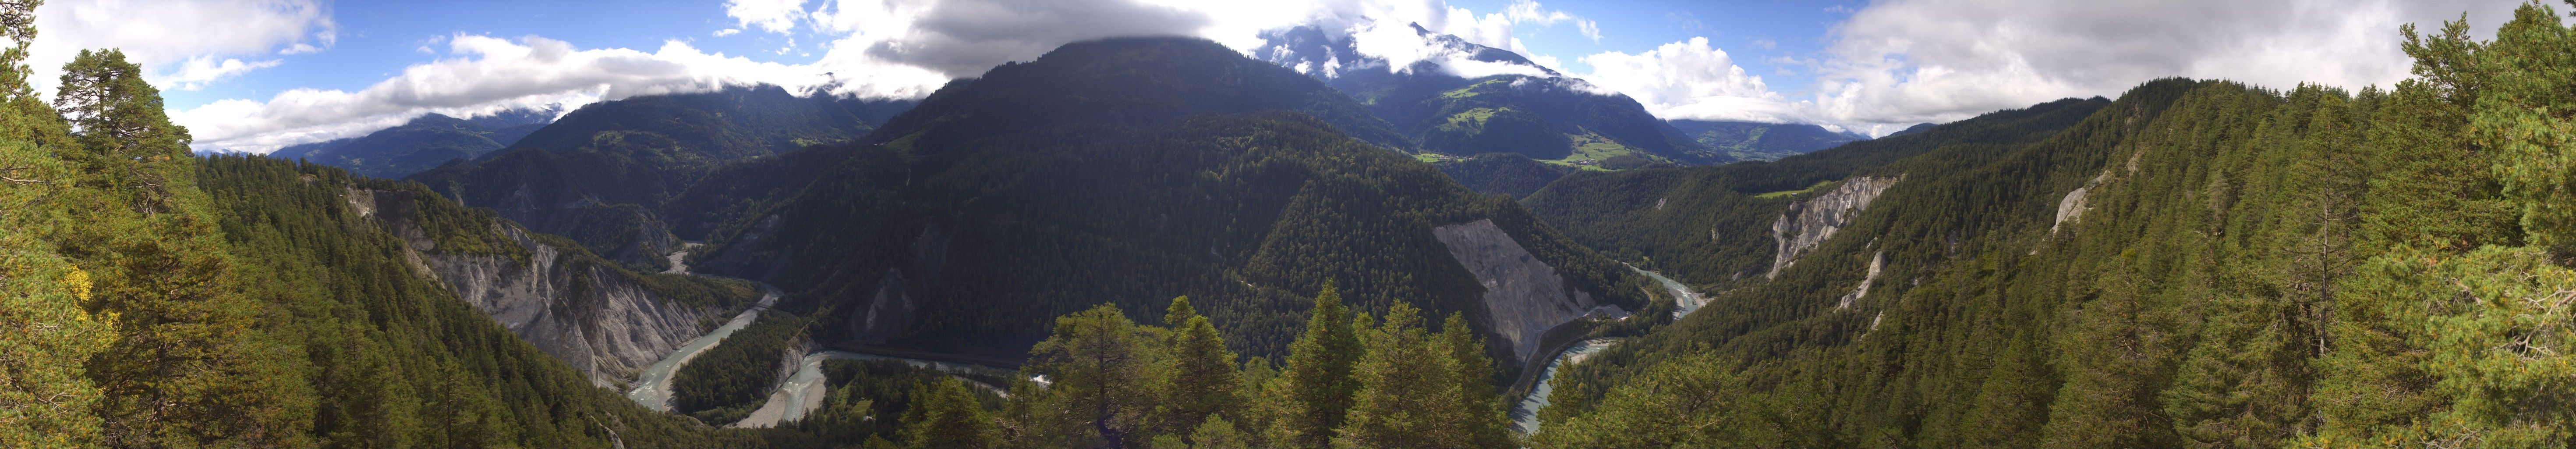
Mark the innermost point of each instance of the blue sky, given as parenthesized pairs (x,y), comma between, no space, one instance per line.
(379,38)
(1758,32)
(259,74)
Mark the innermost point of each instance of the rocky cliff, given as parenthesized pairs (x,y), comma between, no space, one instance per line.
(2071,208)
(1523,297)
(1810,221)
(573,305)
(1876,263)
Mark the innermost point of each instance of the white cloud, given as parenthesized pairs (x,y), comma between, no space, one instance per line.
(776,16)
(1528,11)
(964,37)
(1690,80)
(490,74)
(1902,61)
(177,41)
(728,32)
(196,72)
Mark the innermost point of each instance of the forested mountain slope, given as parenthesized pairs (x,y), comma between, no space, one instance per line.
(159,300)
(1708,225)
(2198,264)
(1754,141)
(600,173)
(420,144)
(1128,171)
(1505,173)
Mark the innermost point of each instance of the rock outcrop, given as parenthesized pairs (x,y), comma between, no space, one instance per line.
(575,307)
(1524,297)
(889,311)
(748,256)
(2071,208)
(1810,221)
(1876,261)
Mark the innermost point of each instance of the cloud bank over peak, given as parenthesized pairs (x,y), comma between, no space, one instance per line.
(873,49)
(484,74)
(1887,65)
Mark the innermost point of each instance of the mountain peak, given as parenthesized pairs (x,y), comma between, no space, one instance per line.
(1134,81)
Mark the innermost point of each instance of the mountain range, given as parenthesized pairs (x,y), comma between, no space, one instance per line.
(422,143)
(1157,242)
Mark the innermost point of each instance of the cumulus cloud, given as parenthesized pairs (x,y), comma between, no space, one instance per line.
(1384,29)
(1899,62)
(196,72)
(1689,79)
(1904,61)
(964,37)
(178,42)
(1528,11)
(489,74)
(776,16)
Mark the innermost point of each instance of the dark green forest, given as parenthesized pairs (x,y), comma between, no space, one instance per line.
(1021,188)
(1751,141)
(423,143)
(729,381)
(2250,268)
(601,173)
(1505,173)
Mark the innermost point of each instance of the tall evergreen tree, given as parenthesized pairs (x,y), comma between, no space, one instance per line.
(1316,386)
(944,415)
(1481,410)
(131,148)
(1095,359)
(192,366)
(1409,396)
(1201,377)
(49,323)
(48,327)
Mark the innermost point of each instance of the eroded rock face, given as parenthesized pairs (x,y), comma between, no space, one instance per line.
(889,312)
(581,311)
(1876,262)
(2071,208)
(1810,221)
(1523,297)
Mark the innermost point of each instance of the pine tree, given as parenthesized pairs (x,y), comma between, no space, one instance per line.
(1482,409)
(2528,75)
(1202,374)
(944,415)
(49,337)
(1095,359)
(131,149)
(192,366)
(1217,433)
(1316,386)
(48,330)
(1408,396)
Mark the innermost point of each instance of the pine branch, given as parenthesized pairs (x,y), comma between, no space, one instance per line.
(5,177)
